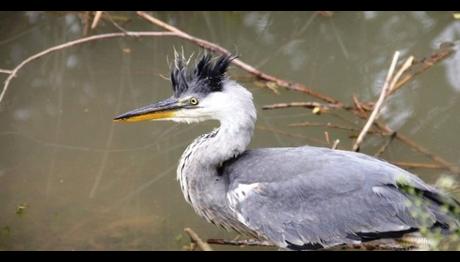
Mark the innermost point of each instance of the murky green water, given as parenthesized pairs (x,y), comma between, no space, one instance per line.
(82,182)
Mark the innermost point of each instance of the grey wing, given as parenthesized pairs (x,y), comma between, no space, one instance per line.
(308,198)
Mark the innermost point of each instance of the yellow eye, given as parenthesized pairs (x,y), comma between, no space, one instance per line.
(193,101)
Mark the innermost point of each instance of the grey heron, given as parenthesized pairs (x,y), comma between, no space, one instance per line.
(298,198)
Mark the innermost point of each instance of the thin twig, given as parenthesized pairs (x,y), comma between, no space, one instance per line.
(238,62)
(119,27)
(72,43)
(417,165)
(245,242)
(329,125)
(385,88)
(336,143)
(385,146)
(362,246)
(418,67)
(85,17)
(390,81)
(326,136)
(369,246)
(412,144)
(451,167)
(96,19)
(282,132)
(197,240)
(3,71)
(310,105)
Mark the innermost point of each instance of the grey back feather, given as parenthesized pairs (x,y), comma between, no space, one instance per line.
(306,197)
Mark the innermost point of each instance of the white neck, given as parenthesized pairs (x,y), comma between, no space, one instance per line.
(197,170)
(234,109)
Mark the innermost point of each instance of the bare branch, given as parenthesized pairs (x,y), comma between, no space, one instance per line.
(326,136)
(329,125)
(246,242)
(385,88)
(72,43)
(238,62)
(390,81)
(372,245)
(114,23)
(197,240)
(96,19)
(449,166)
(385,146)
(310,105)
(336,143)
(418,67)
(417,165)
(282,132)
(3,71)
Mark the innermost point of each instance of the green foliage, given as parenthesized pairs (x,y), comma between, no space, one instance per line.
(418,204)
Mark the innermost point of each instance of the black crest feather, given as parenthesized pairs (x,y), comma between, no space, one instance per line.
(205,77)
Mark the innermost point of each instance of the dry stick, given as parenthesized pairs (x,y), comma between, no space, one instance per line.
(3,71)
(250,69)
(119,27)
(416,68)
(369,246)
(385,146)
(72,43)
(258,243)
(310,105)
(197,240)
(326,136)
(329,125)
(445,50)
(96,19)
(387,87)
(411,143)
(436,57)
(246,242)
(452,168)
(85,20)
(417,165)
(385,130)
(282,132)
(336,143)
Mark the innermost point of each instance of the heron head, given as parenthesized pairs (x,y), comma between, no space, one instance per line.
(201,93)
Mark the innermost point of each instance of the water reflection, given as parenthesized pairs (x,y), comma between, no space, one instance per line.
(452,65)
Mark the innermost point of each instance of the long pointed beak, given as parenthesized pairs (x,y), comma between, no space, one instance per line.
(162,110)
